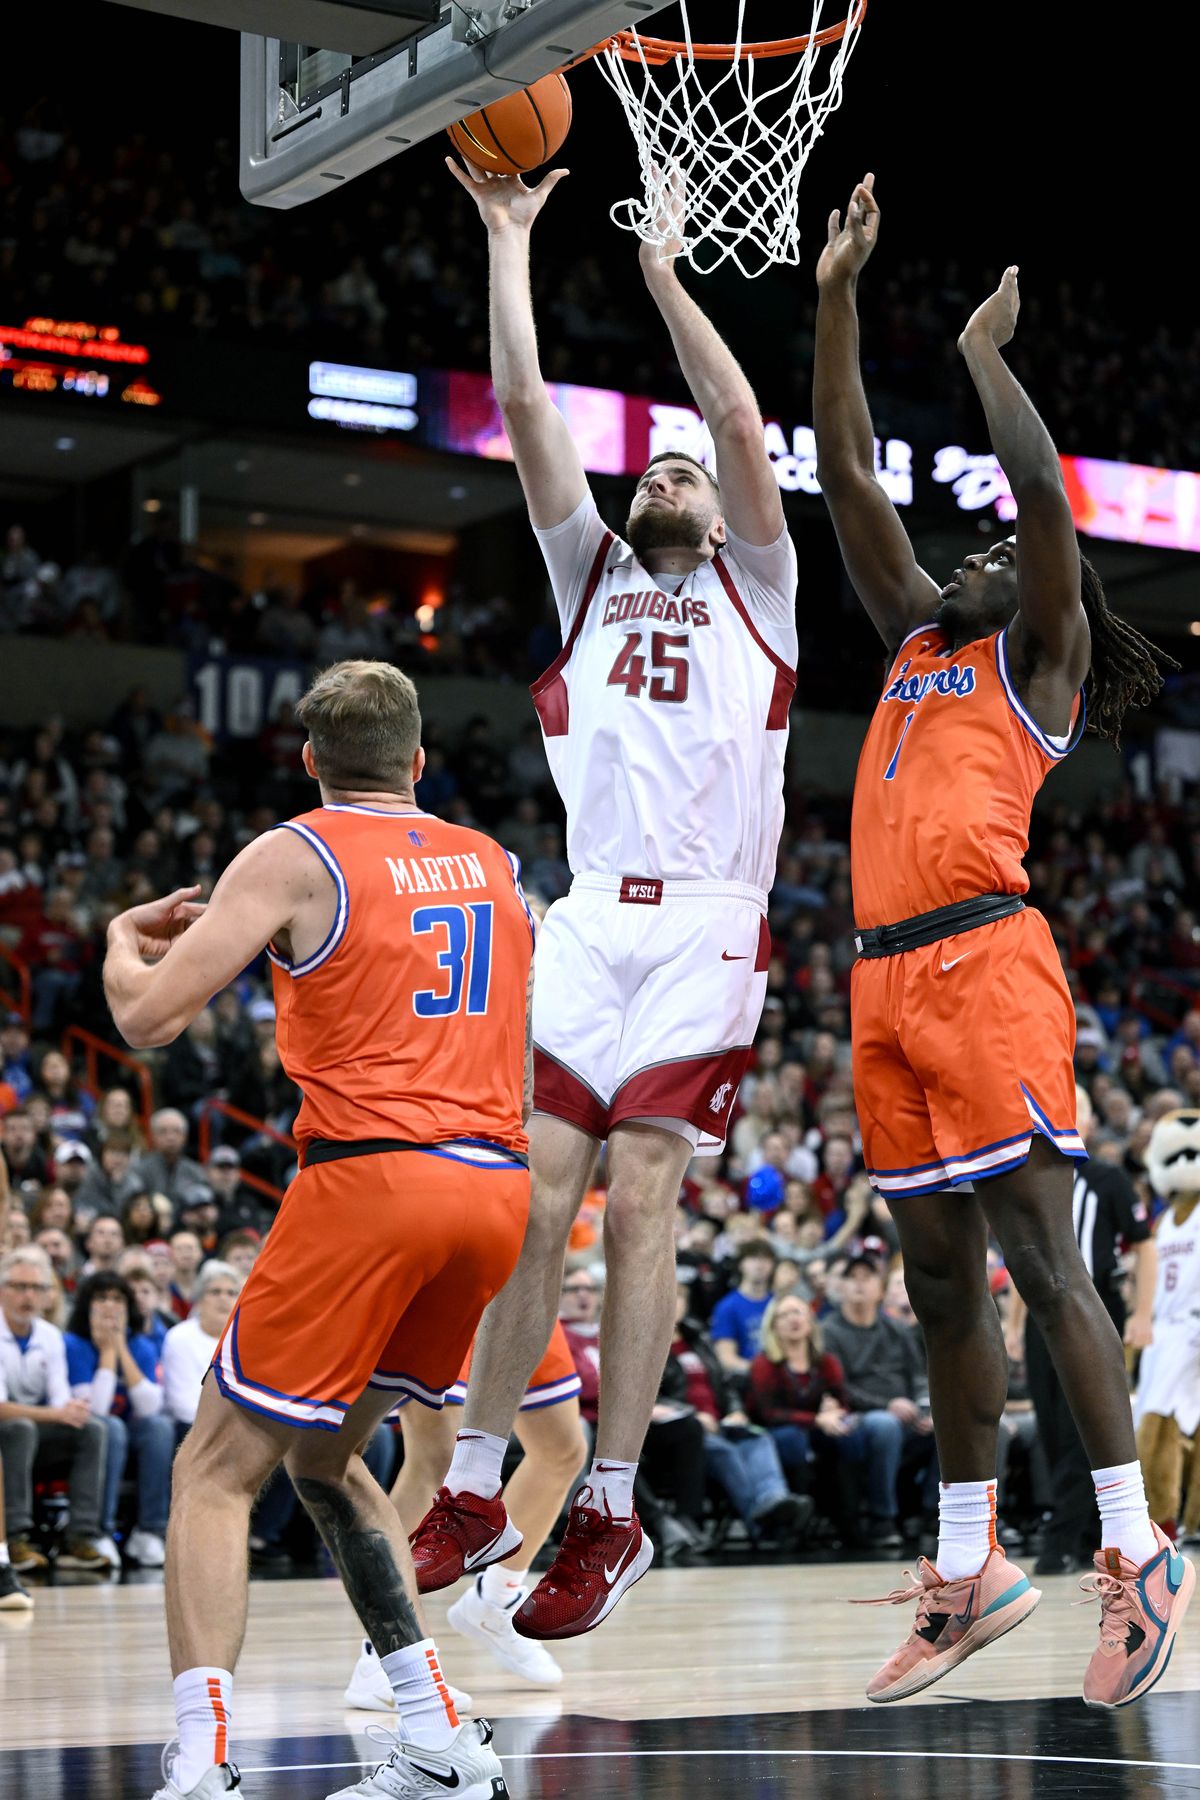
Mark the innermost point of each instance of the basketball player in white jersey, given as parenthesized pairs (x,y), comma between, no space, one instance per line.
(665,720)
(1167,1410)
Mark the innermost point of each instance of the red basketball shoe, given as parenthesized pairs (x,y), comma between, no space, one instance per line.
(459,1534)
(599,1558)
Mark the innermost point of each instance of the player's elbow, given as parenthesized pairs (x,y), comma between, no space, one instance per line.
(1041,485)
(738,429)
(145,1027)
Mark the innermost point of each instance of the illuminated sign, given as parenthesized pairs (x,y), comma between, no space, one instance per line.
(65,352)
(362,399)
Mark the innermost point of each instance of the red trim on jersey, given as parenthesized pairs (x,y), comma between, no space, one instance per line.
(763,959)
(686,1089)
(785,675)
(549,691)
(558,1092)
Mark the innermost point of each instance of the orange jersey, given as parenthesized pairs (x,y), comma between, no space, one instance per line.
(409,1021)
(946,780)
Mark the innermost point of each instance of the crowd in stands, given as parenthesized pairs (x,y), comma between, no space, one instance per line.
(158,240)
(795,1392)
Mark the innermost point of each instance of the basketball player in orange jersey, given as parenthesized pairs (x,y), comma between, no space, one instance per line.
(401,950)
(665,721)
(962,1024)
(551,1435)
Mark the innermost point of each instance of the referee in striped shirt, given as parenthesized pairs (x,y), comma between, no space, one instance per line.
(1109,1219)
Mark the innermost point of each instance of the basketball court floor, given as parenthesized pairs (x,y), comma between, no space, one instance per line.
(745,1681)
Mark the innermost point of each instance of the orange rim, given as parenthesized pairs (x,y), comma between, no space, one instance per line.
(657,51)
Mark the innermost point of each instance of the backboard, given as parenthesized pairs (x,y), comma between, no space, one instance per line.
(313,118)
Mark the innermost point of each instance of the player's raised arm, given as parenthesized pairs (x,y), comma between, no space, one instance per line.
(167,958)
(547,461)
(751,504)
(879,559)
(1051,616)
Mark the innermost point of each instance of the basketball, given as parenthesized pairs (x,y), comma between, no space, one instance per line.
(517,133)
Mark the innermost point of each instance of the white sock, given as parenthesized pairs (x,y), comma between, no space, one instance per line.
(612,1486)
(966,1527)
(475,1468)
(4,1556)
(499,1585)
(425,1713)
(1124,1516)
(203,1706)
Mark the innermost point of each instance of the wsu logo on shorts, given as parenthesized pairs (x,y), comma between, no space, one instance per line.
(720,1099)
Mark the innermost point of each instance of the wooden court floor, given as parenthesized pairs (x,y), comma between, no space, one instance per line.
(740,1681)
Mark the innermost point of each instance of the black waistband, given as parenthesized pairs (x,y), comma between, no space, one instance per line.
(324,1150)
(942,922)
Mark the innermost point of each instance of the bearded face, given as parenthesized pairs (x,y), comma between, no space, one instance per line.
(659,525)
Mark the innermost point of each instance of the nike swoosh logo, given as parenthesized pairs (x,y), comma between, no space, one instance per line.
(446,1781)
(471,1562)
(610,1575)
(955,963)
(725,957)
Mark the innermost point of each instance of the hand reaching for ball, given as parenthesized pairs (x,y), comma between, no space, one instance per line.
(504,201)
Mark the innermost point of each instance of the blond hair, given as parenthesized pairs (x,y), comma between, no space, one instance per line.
(364,725)
(772,1349)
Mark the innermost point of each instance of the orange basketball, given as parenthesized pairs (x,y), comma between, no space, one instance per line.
(519,132)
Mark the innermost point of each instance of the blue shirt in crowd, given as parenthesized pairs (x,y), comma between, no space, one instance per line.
(741,1319)
(83,1359)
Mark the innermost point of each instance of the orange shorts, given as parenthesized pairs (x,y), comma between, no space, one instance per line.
(375,1274)
(552,1381)
(962,1054)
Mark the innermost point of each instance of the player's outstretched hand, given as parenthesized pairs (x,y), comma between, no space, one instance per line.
(669,222)
(504,200)
(997,317)
(154,926)
(849,246)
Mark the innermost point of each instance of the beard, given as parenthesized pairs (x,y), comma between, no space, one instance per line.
(656,529)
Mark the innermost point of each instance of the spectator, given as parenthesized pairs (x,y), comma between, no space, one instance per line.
(64,1258)
(240,1250)
(166,1168)
(884,1383)
(18,1232)
(112,1366)
(117,1117)
(43,1430)
(111,1182)
(740,1458)
(187,1253)
(240,1208)
(103,1245)
(797,1390)
(72,1164)
(59,953)
(192,1071)
(53,1211)
(197,1212)
(23,1159)
(71,1108)
(190,1346)
(16,1064)
(580,1314)
(139,1220)
(147,1297)
(737,1319)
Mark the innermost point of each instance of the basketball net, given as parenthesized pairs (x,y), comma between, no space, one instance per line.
(734,123)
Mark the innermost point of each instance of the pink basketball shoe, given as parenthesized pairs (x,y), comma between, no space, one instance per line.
(954,1619)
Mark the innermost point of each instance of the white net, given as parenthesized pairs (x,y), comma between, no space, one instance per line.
(735,134)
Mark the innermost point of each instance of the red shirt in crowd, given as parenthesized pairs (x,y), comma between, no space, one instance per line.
(777,1395)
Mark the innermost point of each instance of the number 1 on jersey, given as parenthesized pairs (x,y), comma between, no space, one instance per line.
(890,772)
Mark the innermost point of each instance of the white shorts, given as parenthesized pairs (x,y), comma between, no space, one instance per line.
(646,998)
(1169,1374)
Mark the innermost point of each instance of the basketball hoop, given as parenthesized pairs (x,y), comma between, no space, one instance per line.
(738,141)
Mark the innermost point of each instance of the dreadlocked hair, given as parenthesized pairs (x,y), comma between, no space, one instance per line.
(1125,666)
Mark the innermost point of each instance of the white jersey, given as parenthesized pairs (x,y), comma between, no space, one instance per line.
(665,714)
(1177,1294)
(1169,1374)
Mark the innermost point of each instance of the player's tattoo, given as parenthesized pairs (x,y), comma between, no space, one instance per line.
(365,1563)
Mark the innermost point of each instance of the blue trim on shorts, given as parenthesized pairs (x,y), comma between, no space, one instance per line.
(264,1413)
(968,1155)
(274,1393)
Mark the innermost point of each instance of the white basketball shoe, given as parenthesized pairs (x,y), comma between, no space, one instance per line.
(369,1689)
(474,1617)
(468,1767)
(222,1778)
